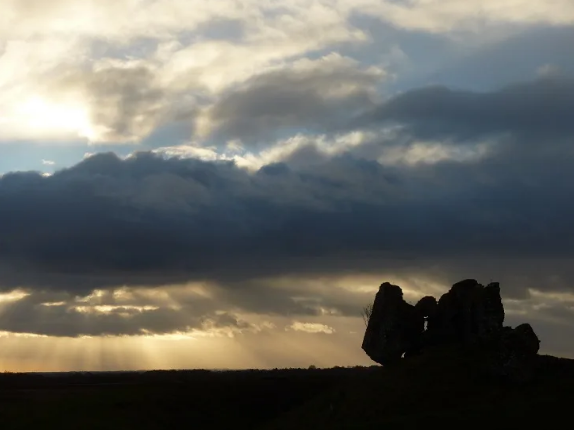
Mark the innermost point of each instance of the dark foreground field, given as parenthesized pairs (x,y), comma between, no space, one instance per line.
(429,390)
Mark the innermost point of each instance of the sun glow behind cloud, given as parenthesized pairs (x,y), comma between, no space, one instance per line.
(40,117)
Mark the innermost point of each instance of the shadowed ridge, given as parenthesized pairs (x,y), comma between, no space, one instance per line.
(441,385)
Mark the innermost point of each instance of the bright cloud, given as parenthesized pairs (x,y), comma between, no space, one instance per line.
(311,327)
(114,71)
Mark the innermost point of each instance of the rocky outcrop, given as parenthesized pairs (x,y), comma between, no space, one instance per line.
(514,354)
(468,314)
(394,326)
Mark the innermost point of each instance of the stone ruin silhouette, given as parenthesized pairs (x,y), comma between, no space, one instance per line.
(469,314)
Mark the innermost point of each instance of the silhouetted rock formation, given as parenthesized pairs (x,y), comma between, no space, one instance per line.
(394,327)
(514,353)
(468,314)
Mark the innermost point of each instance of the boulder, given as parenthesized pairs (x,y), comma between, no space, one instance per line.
(394,327)
(516,353)
(493,316)
(469,312)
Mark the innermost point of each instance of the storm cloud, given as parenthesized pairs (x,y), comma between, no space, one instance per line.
(533,110)
(151,220)
(282,241)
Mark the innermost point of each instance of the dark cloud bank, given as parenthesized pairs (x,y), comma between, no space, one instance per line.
(540,109)
(151,221)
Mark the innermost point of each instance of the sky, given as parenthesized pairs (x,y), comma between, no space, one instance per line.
(225,184)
